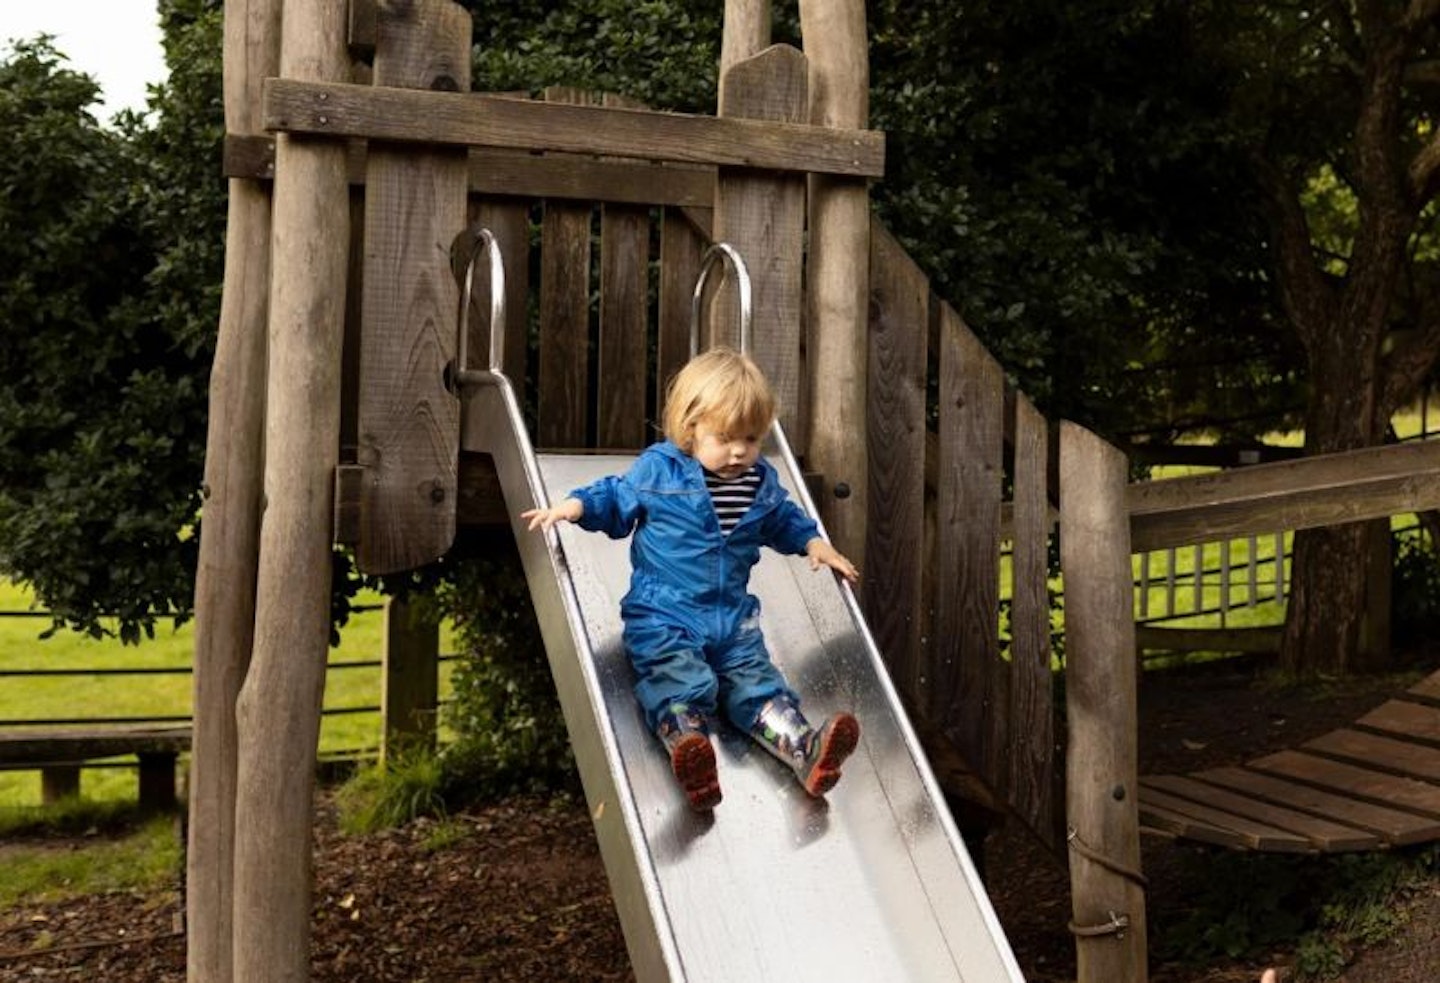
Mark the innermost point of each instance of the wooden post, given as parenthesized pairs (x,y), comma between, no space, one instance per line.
(278,713)
(59,782)
(1101,771)
(411,684)
(745,33)
(230,530)
(836,308)
(762,214)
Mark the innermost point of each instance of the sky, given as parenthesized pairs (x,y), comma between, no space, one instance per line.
(116,42)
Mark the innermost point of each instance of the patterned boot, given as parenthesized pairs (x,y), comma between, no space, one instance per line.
(692,758)
(814,755)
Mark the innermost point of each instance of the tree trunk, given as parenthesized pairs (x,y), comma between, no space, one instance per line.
(1338,618)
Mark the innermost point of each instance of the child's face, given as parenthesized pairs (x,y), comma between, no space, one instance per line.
(727,454)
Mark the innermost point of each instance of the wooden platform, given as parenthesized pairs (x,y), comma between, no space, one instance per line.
(1368,786)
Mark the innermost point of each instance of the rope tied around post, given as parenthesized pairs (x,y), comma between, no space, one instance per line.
(1116,926)
(1119,921)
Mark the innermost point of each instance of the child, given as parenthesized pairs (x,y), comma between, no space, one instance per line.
(701,504)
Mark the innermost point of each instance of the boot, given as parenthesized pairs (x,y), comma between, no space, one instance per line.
(814,755)
(692,758)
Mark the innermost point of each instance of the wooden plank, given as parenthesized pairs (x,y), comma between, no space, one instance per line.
(1413,721)
(1427,689)
(564,325)
(1031,712)
(1352,780)
(680,250)
(520,174)
(891,590)
(762,214)
(39,747)
(1379,753)
(624,272)
(1252,834)
(409,421)
(1314,491)
(510,172)
(1399,828)
(624,318)
(565,341)
(508,219)
(1323,833)
(969,692)
(1180,826)
(1155,637)
(473,119)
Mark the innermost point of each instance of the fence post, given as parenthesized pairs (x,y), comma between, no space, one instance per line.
(410,688)
(1107,892)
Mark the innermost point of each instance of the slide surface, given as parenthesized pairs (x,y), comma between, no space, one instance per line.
(871,883)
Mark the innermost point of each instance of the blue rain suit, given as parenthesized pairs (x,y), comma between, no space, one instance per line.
(692,629)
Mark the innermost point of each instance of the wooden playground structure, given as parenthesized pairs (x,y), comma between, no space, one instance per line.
(334,418)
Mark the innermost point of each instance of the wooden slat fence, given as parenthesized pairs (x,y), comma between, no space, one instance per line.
(934,539)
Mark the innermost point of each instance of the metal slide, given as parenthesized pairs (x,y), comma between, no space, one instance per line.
(870,885)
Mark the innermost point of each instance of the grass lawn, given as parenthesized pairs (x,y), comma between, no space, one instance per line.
(164,693)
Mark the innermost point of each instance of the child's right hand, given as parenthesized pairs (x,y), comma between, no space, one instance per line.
(569,510)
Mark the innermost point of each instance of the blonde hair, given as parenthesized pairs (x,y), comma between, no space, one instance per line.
(721,388)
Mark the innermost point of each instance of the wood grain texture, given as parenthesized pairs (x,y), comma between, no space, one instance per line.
(762,214)
(1031,713)
(892,589)
(415,204)
(1397,827)
(1324,834)
(1100,695)
(471,119)
(1354,781)
(970,682)
(522,174)
(1317,491)
(624,282)
(681,247)
(277,713)
(565,331)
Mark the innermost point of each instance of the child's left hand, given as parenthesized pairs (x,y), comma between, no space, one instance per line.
(821,553)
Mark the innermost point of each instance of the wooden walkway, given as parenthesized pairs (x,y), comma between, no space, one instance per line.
(1368,786)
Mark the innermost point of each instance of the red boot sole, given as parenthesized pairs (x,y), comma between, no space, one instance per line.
(837,743)
(692,760)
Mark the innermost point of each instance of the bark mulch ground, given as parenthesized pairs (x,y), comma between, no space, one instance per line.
(516,891)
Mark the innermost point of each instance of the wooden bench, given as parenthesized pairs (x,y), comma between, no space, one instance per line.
(59,756)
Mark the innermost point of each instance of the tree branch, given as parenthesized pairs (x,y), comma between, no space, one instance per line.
(1304,291)
(1409,362)
(1423,171)
(1419,15)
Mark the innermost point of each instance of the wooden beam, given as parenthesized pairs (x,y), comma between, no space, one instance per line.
(1315,491)
(461,118)
(522,174)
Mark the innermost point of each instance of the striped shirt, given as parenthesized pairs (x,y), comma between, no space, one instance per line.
(732,497)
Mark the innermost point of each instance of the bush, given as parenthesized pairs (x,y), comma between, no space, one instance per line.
(511,735)
(1415,591)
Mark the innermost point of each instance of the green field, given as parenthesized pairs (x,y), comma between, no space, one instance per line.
(159,695)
